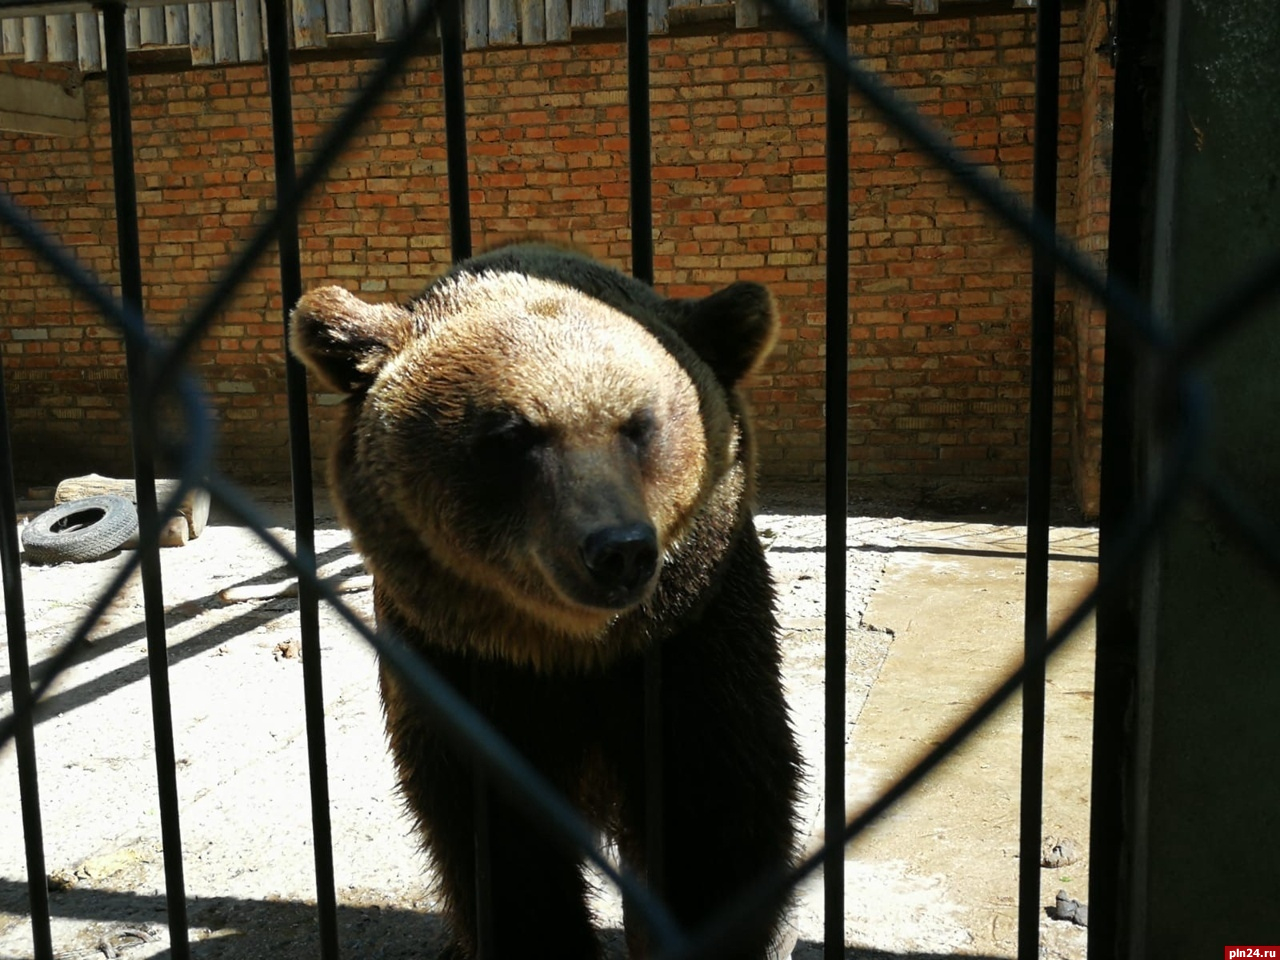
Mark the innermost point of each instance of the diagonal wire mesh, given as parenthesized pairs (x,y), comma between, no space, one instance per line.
(1178,403)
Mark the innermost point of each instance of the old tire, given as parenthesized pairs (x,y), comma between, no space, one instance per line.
(80,530)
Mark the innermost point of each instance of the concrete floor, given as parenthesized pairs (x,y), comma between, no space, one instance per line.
(935,620)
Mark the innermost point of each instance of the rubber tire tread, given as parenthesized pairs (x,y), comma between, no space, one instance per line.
(41,543)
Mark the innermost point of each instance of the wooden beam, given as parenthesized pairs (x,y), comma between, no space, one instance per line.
(34,45)
(226,45)
(533,21)
(309,27)
(88,42)
(587,13)
(658,19)
(175,25)
(28,105)
(11,36)
(476,23)
(389,18)
(60,34)
(200,31)
(557,20)
(132,30)
(362,16)
(249,30)
(337,16)
(502,22)
(152,26)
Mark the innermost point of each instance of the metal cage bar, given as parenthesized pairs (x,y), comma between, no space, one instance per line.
(640,157)
(1039,477)
(143,426)
(837,479)
(23,704)
(280,83)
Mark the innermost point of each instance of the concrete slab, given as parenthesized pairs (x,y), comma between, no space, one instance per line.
(952,596)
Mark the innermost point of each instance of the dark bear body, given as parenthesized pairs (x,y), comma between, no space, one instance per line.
(548,471)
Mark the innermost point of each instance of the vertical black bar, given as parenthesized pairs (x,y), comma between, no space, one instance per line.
(455,129)
(837,478)
(1039,473)
(300,470)
(1116,657)
(20,671)
(144,476)
(640,157)
(455,132)
(640,146)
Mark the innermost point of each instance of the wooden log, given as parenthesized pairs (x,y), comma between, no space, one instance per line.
(194,507)
(175,24)
(151,20)
(309,24)
(60,35)
(173,533)
(557,20)
(88,43)
(249,30)
(226,43)
(11,36)
(502,22)
(533,21)
(362,16)
(33,39)
(388,18)
(200,30)
(337,16)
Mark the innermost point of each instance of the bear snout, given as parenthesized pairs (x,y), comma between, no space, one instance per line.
(621,561)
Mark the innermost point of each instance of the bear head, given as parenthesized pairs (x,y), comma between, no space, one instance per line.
(540,458)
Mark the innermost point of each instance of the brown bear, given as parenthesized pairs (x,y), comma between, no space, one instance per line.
(548,470)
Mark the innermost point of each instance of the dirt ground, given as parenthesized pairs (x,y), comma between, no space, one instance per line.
(935,620)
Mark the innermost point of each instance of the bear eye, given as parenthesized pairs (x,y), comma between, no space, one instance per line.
(638,428)
(509,437)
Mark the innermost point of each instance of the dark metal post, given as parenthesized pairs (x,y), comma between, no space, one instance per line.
(837,477)
(640,156)
(300,470)
(143,430)
(455,129)
(640,146)
(1039,475)
(455,133)
(1115,669)
(19,668)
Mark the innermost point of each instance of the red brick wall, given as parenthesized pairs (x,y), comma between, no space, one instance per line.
(939,301)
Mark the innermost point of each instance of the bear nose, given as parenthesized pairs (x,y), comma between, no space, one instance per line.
(621,558)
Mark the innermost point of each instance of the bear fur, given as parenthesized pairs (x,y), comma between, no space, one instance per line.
(548,470)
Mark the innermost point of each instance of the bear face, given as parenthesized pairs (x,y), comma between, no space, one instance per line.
(544,437)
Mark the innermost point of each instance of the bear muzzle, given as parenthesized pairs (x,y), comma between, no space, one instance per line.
(620,561)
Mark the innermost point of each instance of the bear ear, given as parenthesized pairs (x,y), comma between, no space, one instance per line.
(344,340)
(731,331)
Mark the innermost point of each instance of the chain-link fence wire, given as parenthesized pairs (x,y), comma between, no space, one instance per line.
(1176,403)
